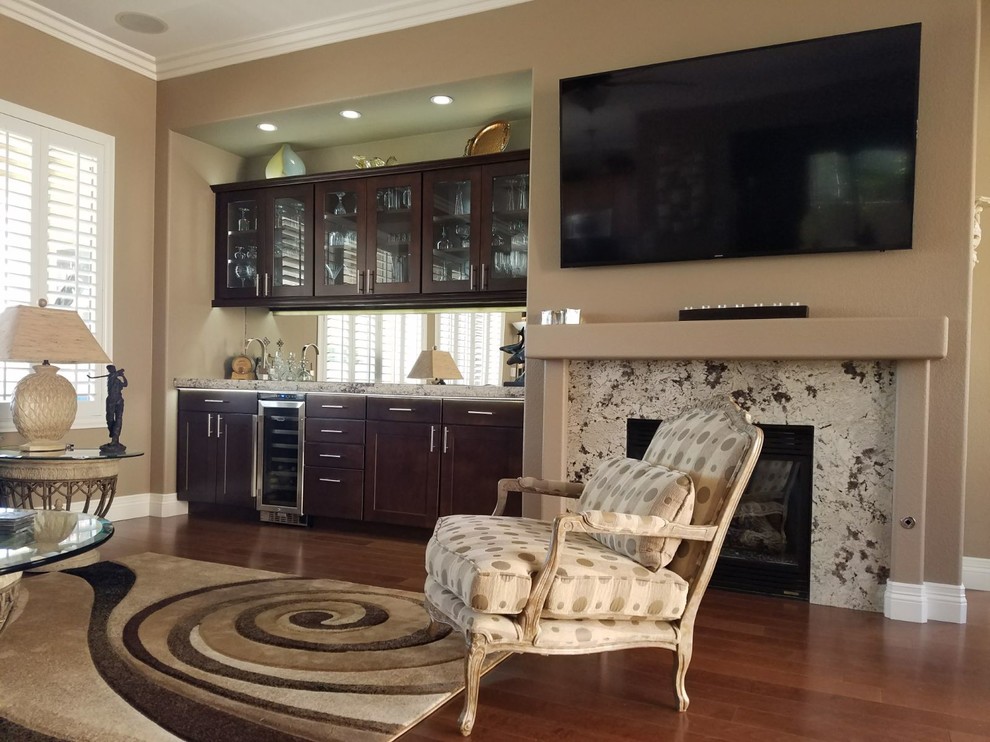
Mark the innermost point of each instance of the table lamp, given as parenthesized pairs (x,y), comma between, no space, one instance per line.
(436,365)
(43,405)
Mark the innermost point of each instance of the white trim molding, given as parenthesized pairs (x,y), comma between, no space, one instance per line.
(976,573)
(930,601)
(395,15)
(144,505)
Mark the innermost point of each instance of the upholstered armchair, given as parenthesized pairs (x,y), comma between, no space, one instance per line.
(626,568)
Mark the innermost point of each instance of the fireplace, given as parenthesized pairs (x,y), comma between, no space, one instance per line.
(768,547)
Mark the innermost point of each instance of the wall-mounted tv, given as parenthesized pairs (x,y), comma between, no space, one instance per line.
(806,147)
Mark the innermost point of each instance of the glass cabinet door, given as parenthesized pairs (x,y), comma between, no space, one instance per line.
(240,270)
(392,259)
(450,255)
(507,225)
(291,219)
(340,230)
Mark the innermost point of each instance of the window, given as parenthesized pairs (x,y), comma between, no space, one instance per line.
(382,348)
(56,196)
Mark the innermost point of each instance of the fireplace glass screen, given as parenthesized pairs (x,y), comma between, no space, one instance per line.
(768,546)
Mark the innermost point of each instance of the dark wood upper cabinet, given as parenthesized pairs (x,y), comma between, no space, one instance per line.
(264,244)
(448,233)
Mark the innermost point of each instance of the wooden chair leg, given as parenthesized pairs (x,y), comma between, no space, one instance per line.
(682,658)
(472,680)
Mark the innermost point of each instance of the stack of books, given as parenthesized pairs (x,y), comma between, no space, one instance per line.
(14,521)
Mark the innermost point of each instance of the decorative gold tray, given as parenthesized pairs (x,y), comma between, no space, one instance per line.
(491,139)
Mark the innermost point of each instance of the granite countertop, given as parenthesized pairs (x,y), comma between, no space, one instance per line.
(405,390)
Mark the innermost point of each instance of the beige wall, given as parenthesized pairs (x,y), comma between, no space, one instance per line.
(60,80)
(560,38)
(977,534)
(554,39)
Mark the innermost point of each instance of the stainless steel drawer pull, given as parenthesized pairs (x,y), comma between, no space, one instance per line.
(400,409)
(331,431)
(330,456)
(332,481)
(332,406)
(217,401)
(479,412)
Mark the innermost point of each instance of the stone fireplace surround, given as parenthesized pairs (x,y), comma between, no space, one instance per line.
(863,384)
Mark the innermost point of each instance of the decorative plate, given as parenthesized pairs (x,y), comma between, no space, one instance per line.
(491,139)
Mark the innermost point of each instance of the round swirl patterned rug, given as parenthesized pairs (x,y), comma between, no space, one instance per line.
(156,647)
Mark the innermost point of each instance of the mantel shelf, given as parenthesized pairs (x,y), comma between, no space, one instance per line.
(846,338)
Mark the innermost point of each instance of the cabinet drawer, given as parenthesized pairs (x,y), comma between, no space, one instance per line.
(348,406)
(499,412)
(340,455)
(334,431)
(404,409)
(211,400)
(334,493)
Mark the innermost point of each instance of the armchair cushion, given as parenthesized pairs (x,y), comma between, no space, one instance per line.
(633,487)
(489,563)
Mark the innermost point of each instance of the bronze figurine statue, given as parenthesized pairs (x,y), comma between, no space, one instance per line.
(116,381)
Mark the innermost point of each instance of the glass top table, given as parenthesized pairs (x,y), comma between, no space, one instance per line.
(71,454)
(54,535)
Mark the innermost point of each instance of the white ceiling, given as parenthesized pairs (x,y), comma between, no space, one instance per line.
(208,34)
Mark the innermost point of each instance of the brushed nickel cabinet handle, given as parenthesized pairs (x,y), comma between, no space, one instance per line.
(332,481)
(471,278)
(331,431)
(371,282)
(209,424)
(400,409)
(267,292)
(484,276)
(433,431)
(479,412)
(446,432)
(217,401)
(333,406)
(219,429)
(330,456)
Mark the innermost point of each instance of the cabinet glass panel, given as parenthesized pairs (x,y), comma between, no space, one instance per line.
(242,243)
(393,234)
(289,245)
(450,243)
(510,226)
(340,250)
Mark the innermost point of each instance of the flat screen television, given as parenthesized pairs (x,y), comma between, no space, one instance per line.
(806,147)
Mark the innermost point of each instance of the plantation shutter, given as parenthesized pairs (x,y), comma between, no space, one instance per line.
(55,201)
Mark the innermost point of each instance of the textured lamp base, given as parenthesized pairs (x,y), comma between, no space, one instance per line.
(43,407)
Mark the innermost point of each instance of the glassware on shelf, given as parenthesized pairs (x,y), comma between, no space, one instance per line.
(464,232)
(462,198)
(498,239)
(522,193)
(340,209)
(444,244)
(244,222)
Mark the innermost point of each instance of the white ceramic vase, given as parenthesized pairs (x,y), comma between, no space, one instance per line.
(284,162)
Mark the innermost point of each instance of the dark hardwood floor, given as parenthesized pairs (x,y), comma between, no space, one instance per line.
(764,669)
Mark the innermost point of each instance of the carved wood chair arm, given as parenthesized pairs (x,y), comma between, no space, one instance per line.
(543,579)
(533,486)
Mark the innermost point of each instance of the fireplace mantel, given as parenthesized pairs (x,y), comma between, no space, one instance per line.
(911,343)
(845,339)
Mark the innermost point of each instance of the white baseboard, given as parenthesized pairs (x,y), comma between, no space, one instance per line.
(931,601)
(152,504)
(976,573)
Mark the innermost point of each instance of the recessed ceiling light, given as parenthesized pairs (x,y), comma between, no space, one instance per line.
(349,114)
(441,100)
(265,126)
(141,23)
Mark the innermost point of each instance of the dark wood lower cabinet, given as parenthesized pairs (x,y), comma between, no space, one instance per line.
(216,457)
(402,469)
(474,459)
(333,493)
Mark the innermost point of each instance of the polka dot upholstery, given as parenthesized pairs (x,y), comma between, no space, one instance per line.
(559,633)
(634,487)
(489,563)
(706,445)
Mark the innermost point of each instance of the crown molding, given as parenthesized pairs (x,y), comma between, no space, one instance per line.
(398,15)
(67,30)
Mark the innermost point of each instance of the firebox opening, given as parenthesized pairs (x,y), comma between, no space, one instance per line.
(768,547)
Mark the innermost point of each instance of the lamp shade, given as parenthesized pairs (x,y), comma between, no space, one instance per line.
(41,334)
(43,405)
(435,364)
